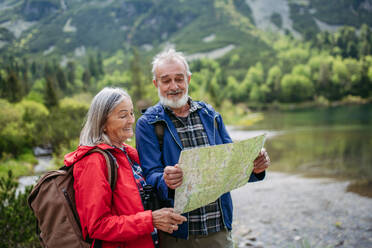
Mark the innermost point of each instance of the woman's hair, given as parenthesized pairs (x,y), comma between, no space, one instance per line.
(169,56)
(102,104)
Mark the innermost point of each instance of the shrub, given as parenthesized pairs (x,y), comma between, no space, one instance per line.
(17,222)
(65,123)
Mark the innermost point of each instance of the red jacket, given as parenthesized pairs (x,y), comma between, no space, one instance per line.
(118,218)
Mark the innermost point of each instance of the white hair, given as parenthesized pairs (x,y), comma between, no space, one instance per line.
(102,104)
(169,56)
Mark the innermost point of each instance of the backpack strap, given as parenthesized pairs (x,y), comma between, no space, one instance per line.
(159,131)
(112,168)
(112,172)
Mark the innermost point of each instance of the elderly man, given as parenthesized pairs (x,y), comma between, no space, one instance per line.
(185,124)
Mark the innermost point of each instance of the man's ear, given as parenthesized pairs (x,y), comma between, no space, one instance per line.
(155,83)
(188,79)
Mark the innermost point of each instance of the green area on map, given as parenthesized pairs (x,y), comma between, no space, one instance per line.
(209,172)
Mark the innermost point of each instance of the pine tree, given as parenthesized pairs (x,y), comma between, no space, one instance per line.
(55,65)
(71,72)
(352,50)
(365,47)
(34,70)
(136,76)
(24,70)
(48,70)
(50,94)
(61,79)
(2,86)
(92,65)
(100,64)
(86,79)
(14,86)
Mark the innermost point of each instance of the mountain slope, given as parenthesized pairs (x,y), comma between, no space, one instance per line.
(70,27)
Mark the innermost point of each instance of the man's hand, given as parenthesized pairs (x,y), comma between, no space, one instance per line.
(173,176)
(262,162)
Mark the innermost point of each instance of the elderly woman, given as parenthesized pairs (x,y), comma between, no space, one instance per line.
(114,219)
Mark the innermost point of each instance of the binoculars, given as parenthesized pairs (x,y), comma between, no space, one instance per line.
(149,198)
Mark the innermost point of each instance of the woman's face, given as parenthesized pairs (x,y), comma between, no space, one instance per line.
(119,124)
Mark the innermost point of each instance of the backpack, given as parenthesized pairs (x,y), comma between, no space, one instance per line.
(52,201)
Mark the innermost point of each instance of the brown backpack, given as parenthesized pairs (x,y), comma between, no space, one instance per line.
(52,200)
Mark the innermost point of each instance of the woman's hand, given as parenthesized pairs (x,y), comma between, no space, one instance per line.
(167,220)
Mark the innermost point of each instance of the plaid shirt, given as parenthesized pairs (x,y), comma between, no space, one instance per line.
(137,171)
(140,181)
(207,219)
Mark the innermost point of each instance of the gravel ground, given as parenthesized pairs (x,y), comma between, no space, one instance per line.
(286,210)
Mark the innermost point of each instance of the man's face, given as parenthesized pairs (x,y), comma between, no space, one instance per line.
(172,83)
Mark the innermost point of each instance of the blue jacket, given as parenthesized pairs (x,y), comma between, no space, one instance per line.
(153,161)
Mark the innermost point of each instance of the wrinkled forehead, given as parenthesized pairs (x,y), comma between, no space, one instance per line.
(172,67)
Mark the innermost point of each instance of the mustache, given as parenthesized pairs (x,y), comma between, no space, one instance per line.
(173,92)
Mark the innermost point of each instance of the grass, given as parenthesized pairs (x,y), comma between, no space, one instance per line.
(19,167)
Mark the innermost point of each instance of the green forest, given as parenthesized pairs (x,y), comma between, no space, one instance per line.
(41,98)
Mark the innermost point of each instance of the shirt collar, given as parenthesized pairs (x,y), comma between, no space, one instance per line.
(194,106)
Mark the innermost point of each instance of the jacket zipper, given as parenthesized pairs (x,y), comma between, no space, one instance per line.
(214,128)
(219,199)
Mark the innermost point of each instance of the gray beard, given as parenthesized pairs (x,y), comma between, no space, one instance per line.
(174,104)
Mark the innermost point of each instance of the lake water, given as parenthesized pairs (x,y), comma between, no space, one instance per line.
(334,142)
(44,164)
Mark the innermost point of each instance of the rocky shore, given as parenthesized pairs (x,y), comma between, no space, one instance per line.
(287,210)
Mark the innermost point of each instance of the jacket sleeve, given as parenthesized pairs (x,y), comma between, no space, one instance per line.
(226,139)
(150,156)
(93,197)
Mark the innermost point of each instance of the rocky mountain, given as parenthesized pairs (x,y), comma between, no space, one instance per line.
(198,27)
